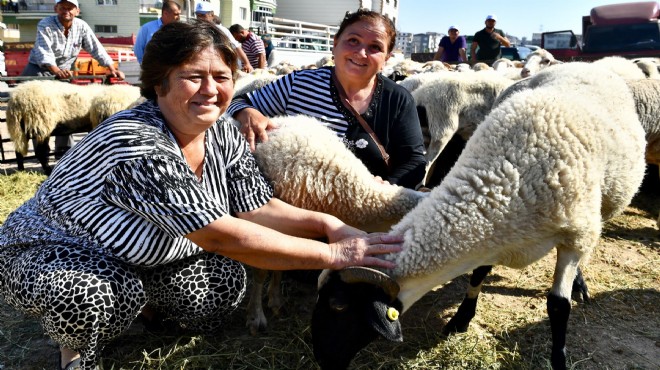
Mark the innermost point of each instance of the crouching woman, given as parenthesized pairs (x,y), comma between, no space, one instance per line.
(156,207)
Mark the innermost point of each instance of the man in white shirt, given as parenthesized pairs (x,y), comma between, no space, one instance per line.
(204,12)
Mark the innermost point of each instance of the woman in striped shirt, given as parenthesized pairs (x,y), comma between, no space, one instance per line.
(156,206)
(362,45)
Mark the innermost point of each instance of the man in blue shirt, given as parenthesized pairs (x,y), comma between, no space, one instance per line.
(171,12)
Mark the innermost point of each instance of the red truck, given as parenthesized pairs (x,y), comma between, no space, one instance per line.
(630,30)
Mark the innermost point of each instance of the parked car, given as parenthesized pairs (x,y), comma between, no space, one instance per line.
(516,52)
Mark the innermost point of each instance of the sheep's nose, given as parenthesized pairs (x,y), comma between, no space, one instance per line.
(525,72)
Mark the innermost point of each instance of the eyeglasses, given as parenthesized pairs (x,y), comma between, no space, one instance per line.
(453,31)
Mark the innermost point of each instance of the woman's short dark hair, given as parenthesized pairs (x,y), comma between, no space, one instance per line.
(178,43)
(364,14)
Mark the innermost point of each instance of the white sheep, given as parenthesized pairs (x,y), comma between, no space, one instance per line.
(542,172)
(249,82)
(113,99)
(413,82)
(456,105)
(625,68)
(649,66)
(36,108)
(646,94)
(536,61)
(326,178)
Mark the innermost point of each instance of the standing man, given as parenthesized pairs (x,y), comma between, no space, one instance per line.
(204,12)
(252,45)
(489,40)
(171,12)
(59,40)
(452,47)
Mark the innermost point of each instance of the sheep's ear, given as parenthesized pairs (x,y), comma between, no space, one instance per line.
(383,318)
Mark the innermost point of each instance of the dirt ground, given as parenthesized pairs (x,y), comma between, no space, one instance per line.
(618,329)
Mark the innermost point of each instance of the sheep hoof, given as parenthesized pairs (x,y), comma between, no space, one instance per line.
(452,328)
(257,324)
(580,289)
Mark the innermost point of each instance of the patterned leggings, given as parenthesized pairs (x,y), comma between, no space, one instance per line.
(85,299)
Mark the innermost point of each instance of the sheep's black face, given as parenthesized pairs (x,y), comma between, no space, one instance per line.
(347,317)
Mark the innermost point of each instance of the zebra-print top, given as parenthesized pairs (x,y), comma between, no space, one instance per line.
(126,190)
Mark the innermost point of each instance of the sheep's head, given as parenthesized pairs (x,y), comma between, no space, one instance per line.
(354,307)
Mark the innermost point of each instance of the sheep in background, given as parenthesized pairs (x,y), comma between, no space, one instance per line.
(541,172)
(481,66)
(326,178)
(114,98)
(41,108)
(646,94)
(325,61)
(625,68)
(413,82)
(649,66)
(536,61)
(456,105)
(252,81)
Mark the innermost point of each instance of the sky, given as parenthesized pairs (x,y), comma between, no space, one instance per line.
(514,17)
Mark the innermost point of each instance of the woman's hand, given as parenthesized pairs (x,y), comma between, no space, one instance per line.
(364,251)
(254,126)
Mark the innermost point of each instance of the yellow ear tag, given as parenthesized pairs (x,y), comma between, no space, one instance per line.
(392,314)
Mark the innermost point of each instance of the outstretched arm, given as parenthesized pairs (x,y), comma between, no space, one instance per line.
(250,239)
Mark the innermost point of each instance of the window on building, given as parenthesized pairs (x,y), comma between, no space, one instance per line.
(396,4)
(99,28)
(106,2)
(261,12)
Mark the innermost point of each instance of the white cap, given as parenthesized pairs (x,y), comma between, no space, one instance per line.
(203,7)
(74,2)
(453,28)
(492,16)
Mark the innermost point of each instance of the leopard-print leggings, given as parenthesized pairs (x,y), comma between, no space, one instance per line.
(85,299)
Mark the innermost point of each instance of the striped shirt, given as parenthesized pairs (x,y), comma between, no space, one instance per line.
(53,48)
(253,47)
(127,191)
(306,92)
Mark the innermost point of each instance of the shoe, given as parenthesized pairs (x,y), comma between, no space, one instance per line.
(73,365)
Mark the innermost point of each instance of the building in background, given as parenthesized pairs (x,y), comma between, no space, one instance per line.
(403,43)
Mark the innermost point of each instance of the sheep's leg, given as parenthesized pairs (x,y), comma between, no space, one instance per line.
(580,286)
(559,303)
(256,320)
(20,161)
(41,151)
(466,311)
(275,292)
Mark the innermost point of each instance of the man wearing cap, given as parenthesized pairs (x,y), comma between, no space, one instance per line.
(59,40)
(171,12)
(452,47)
(489,40)
(204,12)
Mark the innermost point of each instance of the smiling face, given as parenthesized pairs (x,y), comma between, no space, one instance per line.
(196,93)
(361,49)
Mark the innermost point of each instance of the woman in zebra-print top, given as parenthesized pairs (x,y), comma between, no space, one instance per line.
(155,206)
